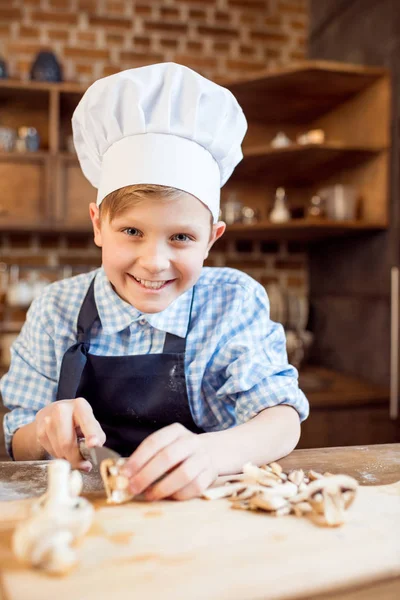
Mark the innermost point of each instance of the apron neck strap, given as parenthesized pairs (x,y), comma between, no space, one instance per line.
(173,343)
(87,315)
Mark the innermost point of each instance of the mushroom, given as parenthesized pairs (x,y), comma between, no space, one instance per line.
(296,477)
(56,520)
(330,496)
(269,489)
(115,483)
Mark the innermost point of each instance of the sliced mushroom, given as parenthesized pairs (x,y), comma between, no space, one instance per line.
(276,468)
(223,491)
(313,475)
(268,502)
(296,477)
(283,511)
(270,489)
(115,483)
(286,490)
(257,475)
(301,508)
(327,497)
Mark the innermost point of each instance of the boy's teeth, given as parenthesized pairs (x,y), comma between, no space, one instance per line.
(154,285)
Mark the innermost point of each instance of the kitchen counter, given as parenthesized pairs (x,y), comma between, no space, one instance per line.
(370,465)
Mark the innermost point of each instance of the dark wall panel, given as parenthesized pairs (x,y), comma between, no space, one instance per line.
(350,279)
(358,31)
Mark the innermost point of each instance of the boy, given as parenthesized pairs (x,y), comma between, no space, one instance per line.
(175,365)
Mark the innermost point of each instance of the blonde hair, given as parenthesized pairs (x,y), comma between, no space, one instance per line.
(120,200)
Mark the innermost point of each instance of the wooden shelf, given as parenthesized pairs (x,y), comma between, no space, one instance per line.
(40,155)
(42,86)
(336,97)
(302,229)
(69,157)
(303,92)
(296,229)
(298,164)
(45,227)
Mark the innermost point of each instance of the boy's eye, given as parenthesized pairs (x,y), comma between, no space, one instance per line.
(181,237)
(131,231)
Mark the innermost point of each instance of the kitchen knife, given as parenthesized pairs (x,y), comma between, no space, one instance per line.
(96,454)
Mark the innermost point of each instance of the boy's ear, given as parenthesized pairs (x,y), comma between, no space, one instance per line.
(95,218)
(218,230)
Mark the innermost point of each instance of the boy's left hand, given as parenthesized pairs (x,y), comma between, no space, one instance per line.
(179,455)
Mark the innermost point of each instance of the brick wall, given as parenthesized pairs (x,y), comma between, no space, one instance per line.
(93,38)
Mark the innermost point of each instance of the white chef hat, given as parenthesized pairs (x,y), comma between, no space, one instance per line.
(163,124)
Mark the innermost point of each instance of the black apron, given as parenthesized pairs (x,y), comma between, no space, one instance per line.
(131,396)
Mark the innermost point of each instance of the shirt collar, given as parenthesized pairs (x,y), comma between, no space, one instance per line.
(116,315)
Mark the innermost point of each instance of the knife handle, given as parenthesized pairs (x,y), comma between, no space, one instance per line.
(83,449)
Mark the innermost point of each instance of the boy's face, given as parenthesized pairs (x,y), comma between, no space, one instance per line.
(154,251)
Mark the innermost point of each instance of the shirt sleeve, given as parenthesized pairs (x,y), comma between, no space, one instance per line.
(31,382)
(252,362)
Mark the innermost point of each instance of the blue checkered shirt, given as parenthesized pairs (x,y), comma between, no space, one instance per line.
(235,362)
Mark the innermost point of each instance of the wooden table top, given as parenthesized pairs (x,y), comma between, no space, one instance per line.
(370,465)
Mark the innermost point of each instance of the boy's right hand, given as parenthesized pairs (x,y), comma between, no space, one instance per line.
(58,426)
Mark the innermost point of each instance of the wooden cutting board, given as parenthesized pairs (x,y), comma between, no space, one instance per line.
(206,550)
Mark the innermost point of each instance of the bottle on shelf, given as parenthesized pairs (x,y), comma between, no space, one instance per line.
(280,212)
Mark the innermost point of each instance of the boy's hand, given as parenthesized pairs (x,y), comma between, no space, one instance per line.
(177,453)
(58,425)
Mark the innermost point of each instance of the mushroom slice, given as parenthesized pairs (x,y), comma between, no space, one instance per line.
(249,492)
(266,468)
(283,511)
(327,497)
(301,508)
(268,502)
(115,484)
(296,477)
(241,504)
(313,475)
(224,491)
(276,468)
(286,490)
(257,475)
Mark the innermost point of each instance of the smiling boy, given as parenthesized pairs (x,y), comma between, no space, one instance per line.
(172,364)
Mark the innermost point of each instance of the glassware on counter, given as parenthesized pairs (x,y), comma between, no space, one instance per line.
(8,136)
(28,139)
(250,215)
(281,140)
(22,290)
(315,210)
(280,212)
(231,209)
(340,202)
(314,136)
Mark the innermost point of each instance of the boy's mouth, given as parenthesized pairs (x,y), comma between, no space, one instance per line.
(151,285)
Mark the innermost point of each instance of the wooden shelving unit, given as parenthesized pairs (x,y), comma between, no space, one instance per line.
(301,229)
(297,164)
(351,103)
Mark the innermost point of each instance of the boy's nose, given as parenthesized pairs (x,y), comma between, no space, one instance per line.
(154,261)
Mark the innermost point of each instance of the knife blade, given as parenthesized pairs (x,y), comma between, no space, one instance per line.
(96,454)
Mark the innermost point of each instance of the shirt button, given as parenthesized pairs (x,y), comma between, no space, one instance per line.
(142,321)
